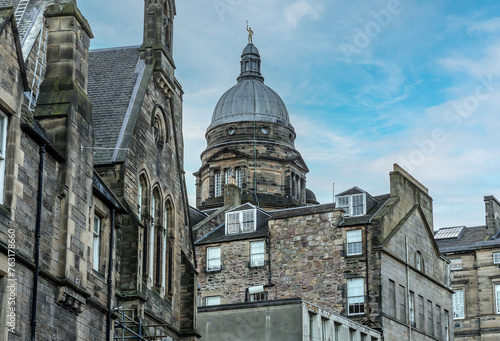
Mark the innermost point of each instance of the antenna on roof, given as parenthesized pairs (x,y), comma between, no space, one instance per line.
(333,191)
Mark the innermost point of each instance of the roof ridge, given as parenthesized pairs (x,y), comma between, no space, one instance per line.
(115,48)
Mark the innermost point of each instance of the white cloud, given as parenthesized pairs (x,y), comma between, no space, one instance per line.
(299,10)
(488,26)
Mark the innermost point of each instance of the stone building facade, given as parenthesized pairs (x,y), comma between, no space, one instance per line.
(94,222)
(261,236)
(474,253)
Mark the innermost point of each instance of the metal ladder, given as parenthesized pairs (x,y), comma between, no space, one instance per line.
(20,10)
(39,69)
(128,327)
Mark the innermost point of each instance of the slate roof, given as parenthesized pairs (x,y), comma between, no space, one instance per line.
(195,216)
(474,237)
(351,221)
(218,235)
(112,79)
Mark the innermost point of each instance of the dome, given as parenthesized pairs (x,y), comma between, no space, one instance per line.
(250,99)
(310,197)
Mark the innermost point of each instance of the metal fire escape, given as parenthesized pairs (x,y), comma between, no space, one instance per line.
(39,69)
(130,327)
(20,10)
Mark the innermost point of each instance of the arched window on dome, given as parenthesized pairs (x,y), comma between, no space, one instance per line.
(217,183)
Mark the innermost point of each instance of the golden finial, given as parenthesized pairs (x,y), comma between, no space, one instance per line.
(250,33)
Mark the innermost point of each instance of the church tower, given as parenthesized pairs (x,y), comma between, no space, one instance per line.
(250,143)
(158,35)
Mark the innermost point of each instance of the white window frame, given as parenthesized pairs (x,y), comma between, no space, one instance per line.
(259,296)
(347,202)
(4,122)
(239,178)
(413,321)
(456,264)
(496,257)
(214,262)
(212,300)
(96,242)
(355,295)
(354,240)
(497,298)
(256,256)
(458,304)
(235,222)
(217,184)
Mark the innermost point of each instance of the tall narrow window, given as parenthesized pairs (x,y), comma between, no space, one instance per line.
(497,297)
(343,202)
(248,221)
(164,248)
(324,329)
(356,296)
(239,177)
(430,318)
(438,322)
(458,304)
(421,317)
(257,253)
(3,152)
(402,304)
(217,184)
(142,203)
(96,245)
(358,207)
(392,298)
(213,258)
(169,223)
(156,234)
(312,334)
(354,246)
(336,327)
(446,325)
(418,261)
(412,309)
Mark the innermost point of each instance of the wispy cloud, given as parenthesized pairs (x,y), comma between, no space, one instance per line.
(299,10)
(487,26)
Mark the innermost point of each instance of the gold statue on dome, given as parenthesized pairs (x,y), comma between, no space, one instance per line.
(250,33)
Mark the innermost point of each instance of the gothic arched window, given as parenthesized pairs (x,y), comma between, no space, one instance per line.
(159,128)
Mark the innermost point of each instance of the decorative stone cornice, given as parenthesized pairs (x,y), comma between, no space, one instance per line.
(71,300)
(163,85)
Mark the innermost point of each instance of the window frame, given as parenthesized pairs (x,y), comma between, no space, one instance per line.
(209,298)
(253,254)
(456,264)
(411,302)
(208,267)
(418,261)
(96,243)
(497,260)
(262,295)
(496,290)
(458,303)
(351,243)
(217,184)
(240,223)
(354,299)
(347,202)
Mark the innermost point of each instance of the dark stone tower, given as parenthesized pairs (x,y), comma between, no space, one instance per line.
(250,142)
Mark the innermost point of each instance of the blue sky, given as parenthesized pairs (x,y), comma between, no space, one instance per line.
(367,84)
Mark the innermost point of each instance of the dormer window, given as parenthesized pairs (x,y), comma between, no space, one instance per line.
(241,221)
(354,205)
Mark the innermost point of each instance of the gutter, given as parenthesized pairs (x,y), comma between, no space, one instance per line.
(110,273)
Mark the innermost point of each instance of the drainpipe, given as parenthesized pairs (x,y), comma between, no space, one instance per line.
(37,242)
(367,278)
(110,273)
(268,242)
(408,290)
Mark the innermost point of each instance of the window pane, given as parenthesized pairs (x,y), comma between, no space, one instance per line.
(458,304)
(355,296)
(213,258)
(357,205)
(96,243)
(257,253)
(354,246)
(496,258)
(212,300)
(497,297)
(456,264)
(233,222)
